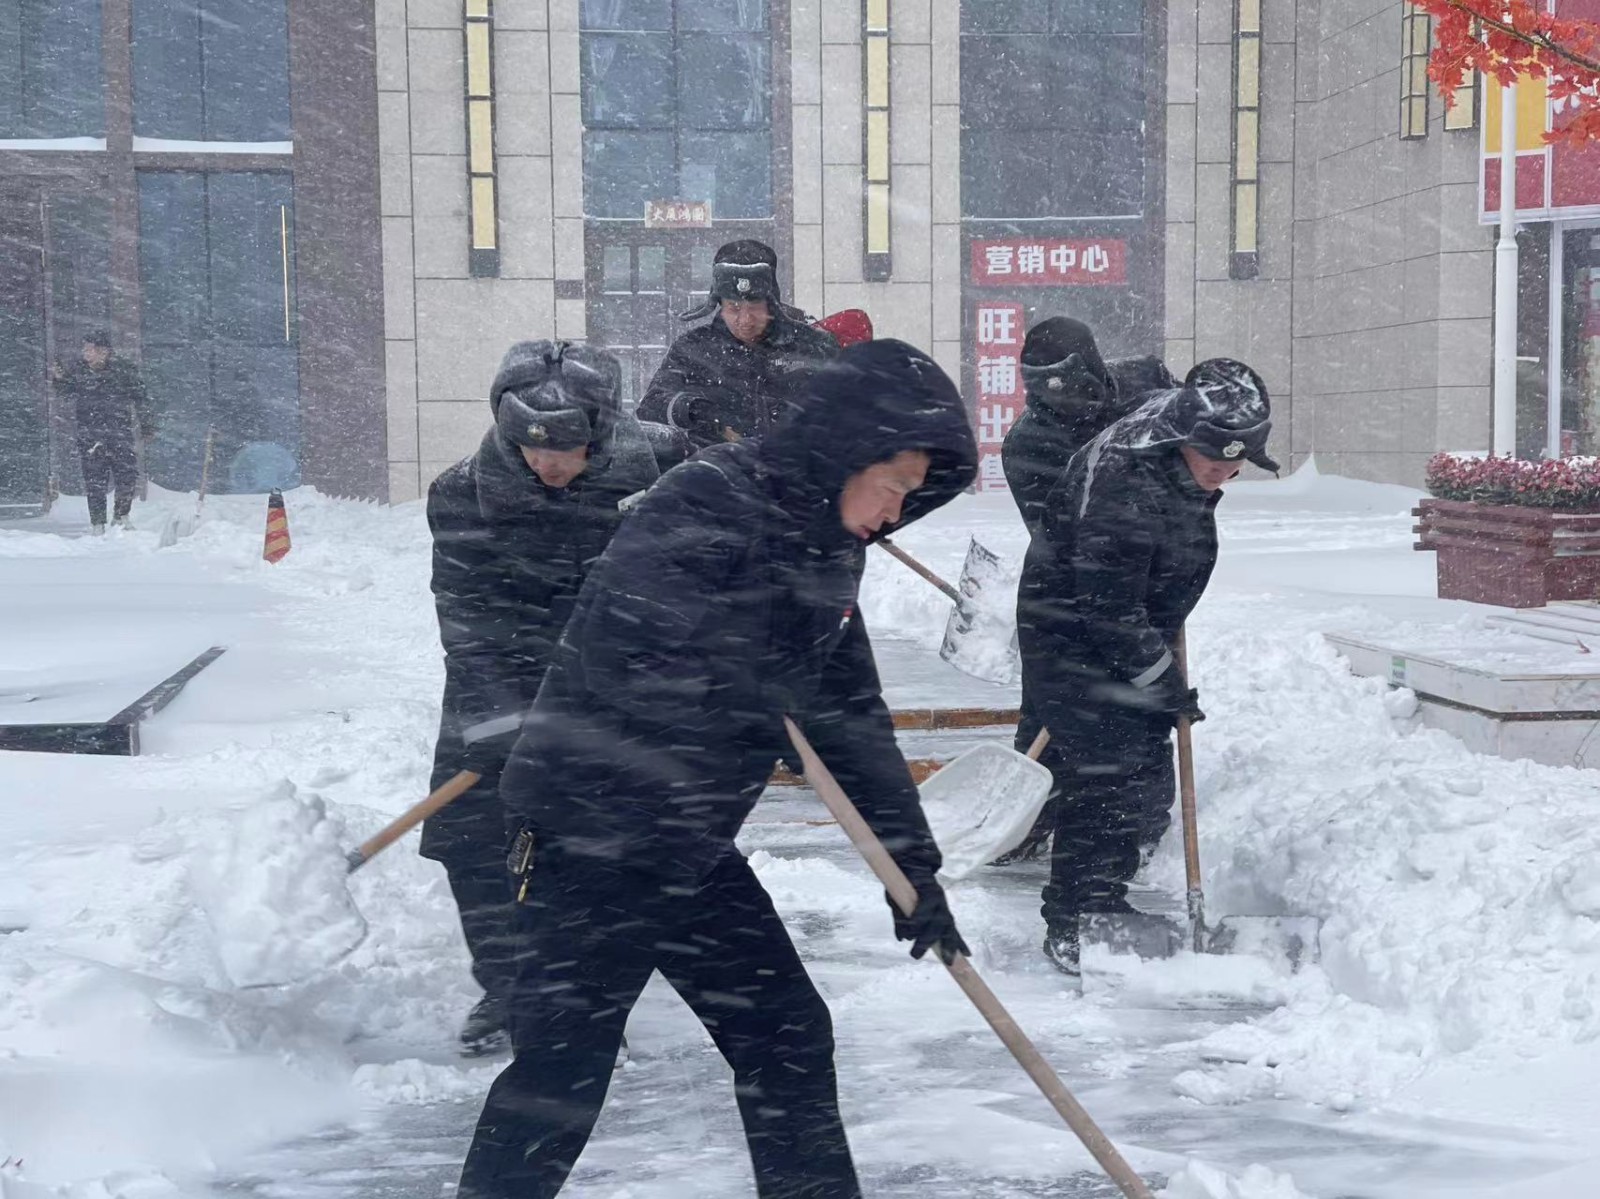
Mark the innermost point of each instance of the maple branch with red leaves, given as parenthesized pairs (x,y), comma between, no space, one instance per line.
(1510,39)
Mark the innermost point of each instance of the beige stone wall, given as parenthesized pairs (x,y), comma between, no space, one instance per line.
(1370,319)
(444,331)
(1396,339)
(921,302)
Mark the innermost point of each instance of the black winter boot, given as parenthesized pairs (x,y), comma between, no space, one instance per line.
(484,1031)
(1061,949)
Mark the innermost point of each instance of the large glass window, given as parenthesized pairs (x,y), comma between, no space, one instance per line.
(211,70)
(221,345)
(1053,108)
(677,104)
(50,76)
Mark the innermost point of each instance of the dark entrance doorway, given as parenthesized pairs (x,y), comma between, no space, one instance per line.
(640,279)
(54,288)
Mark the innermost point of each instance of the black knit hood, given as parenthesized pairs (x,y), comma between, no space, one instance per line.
(872,402)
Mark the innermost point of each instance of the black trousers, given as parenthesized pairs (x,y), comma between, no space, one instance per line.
(1115,783)
(483,894)
(590,937)
(109,465)
(468,839)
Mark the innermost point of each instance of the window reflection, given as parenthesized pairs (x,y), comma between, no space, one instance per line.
(677,104)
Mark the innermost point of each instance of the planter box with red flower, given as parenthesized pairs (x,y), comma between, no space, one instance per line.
(1510,532)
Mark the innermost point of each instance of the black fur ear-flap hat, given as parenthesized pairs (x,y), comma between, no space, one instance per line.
(741,270)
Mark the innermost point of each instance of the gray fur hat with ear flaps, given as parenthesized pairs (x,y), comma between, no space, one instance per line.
(554,395)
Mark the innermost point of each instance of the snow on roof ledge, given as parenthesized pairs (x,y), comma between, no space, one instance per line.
(168,145)
(52,143)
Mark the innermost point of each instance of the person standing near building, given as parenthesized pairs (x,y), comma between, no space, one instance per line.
(733,378)
(111,412)
(1072,394)
(727,601)
(1123,552)
(516,528)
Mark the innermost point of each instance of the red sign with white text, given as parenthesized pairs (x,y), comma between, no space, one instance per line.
(1050,262)
(999,329)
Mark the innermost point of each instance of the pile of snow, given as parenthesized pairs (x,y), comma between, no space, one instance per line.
(1457,890)
(274,891)
(1200,1181)
(149,888)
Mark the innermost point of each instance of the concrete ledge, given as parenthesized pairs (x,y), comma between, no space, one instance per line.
(117,736)
(1516,708)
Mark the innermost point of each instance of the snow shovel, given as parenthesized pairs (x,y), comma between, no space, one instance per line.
(968,979)
(271,939)
(175,527)
(984,803)
(978,640)
(1292,939)
(452,790)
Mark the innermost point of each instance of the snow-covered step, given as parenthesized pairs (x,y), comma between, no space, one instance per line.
(1527,688)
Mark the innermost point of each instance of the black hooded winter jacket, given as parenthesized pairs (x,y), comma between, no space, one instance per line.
(509,555)
(710,380)
(728,600)
(1123,553)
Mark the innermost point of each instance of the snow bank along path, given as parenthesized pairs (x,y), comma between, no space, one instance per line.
(1462,913)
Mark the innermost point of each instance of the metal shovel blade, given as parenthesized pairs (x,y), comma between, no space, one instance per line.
(980,638)
(1139,933)
(1292,941)
(1295,941)
(982,804)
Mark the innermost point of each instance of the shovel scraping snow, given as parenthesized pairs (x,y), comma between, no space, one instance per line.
(276,897)
(1290,940)
(904,897)
(980,637)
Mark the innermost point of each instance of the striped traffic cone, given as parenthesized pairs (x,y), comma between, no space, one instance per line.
(277,543)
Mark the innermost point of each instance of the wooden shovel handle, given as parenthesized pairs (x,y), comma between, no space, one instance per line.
(1039,744)
(413,816)
(988,1004)
(920,569)
(1186,806)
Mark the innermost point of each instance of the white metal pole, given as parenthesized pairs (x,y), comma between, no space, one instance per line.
(1553,363)
(1505,283)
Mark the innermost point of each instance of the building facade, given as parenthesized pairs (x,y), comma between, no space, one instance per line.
(320,224)
(200,180)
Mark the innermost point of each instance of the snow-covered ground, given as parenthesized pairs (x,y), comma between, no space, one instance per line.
(1445,1046)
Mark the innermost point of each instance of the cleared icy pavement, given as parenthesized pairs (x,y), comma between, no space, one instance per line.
(934,1105)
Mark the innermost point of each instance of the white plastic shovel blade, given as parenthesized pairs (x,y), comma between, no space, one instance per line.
(980,636)
(982,804)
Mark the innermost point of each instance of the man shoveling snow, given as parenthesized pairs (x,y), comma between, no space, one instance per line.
(727,601)
(1122,555)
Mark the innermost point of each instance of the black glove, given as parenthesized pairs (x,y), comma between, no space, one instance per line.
(488,755)
(1169,694)
(930,926)
(695,413)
